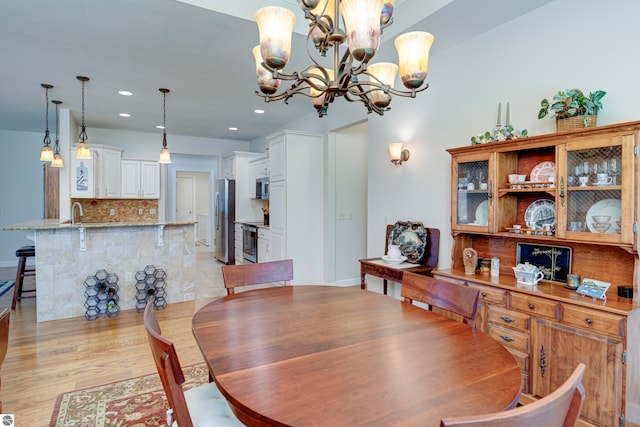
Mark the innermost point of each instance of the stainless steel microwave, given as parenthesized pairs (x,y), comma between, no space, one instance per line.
(262,188)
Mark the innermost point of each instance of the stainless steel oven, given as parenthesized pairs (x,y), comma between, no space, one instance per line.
(250,242)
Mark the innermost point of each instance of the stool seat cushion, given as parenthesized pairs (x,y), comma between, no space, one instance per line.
(26,251)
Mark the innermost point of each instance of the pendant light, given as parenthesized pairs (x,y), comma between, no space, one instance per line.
(83,147)
(165,156)
(46,153)
(57,157)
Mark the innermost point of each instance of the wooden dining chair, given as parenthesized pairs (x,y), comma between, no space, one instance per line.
(4,340)
(558,409)
(199,406)
(450,297)
(256,274)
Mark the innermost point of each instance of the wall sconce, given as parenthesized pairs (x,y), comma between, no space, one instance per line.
(397,154)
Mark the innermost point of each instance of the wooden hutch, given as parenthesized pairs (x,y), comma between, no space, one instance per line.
(548,328)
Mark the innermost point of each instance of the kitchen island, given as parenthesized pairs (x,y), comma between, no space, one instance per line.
(69,254)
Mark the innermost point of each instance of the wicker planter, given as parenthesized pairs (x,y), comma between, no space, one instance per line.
(575,123)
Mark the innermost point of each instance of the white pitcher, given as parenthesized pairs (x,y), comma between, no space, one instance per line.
(394,252)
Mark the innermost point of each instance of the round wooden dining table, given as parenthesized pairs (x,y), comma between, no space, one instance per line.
(335,356)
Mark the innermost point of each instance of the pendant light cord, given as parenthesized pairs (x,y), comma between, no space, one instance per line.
(164,119)
(47,139)
(83,131)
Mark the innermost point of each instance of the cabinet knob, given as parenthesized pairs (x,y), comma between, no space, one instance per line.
(484,294)
(588,321)
(531,306)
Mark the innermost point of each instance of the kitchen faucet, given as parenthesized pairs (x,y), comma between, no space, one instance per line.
(73,219)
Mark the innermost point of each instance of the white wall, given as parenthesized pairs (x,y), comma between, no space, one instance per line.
(21,190)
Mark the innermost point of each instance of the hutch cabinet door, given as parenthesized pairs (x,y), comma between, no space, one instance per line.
(472,188)
(557,350)
(595,201)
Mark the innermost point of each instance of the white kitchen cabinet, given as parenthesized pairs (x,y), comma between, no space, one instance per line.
(239,162)
(238,243)
(296,202)
(140,179)
(98,177)
(263,245)
(258,168)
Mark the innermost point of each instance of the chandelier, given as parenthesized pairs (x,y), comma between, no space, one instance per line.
(83,147)
(351,77)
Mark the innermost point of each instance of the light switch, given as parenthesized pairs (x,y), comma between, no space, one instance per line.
(112,212)
(140,211)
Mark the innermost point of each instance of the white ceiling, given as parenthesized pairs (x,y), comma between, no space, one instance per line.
(203,56)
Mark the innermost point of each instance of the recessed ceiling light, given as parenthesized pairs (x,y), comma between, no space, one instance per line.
(125,115)
(159,127)
(258,111)
(125,92)
(232,128)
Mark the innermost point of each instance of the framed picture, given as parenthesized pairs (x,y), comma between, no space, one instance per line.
(593,288)
(553,261)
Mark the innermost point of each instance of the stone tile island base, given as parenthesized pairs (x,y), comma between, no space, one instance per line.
(124,250)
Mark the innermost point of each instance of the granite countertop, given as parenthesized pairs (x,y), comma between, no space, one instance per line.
(52,224)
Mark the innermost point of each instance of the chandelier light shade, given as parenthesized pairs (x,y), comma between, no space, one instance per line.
(413,53)
(265,79)
(362,21)
(165,155)
(276,26)
(46,153)
(351,76)
(57,161)
(83,147)
(385,73)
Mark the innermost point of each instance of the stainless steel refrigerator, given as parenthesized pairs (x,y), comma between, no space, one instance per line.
(225,202)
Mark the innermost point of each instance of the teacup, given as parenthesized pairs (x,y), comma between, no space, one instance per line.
(522,178)
(484,186)
(583,180)
(603,179)
(571,180)
(513,178)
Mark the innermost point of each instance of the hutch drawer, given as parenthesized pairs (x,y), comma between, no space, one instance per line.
(539,307)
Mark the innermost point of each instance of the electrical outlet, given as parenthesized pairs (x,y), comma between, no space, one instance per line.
(152,211)
(140,211)
(112,212)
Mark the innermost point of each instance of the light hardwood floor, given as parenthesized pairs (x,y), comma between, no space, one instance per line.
(48,358)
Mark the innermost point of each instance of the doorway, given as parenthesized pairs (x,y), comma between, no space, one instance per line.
(193,203)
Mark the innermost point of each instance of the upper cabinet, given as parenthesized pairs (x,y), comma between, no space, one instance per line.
(574,186)
(258,168)
(98,177)
(140,179)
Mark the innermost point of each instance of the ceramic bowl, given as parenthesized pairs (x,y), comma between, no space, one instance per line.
(394,261)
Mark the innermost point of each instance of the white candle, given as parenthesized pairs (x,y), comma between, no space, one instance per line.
(499,112)
(507,114)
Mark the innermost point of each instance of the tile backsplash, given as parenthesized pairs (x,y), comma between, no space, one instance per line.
(118,210)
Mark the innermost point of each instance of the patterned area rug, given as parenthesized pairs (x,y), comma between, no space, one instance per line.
(136,402)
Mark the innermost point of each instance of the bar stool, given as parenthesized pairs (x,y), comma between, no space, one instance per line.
(23,253)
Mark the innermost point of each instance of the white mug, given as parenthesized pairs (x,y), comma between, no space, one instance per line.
(603,178)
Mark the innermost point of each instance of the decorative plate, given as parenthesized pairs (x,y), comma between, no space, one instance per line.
(604,208)
(543,171)
(411,237)
(540,212)
(482,214)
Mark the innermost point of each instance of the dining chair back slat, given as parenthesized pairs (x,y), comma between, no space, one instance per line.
(561,408)
(450,297)
(4,339)
(256,274)
(168,366)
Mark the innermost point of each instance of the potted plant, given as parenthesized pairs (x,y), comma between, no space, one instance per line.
(573,109)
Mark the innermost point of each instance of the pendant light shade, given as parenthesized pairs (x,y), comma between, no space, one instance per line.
(83,147)
(46,153)
(165,155)
(57,157)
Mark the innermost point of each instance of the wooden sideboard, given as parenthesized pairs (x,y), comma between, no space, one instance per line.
(550,329)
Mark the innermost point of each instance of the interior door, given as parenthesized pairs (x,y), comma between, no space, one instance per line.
(185,195)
